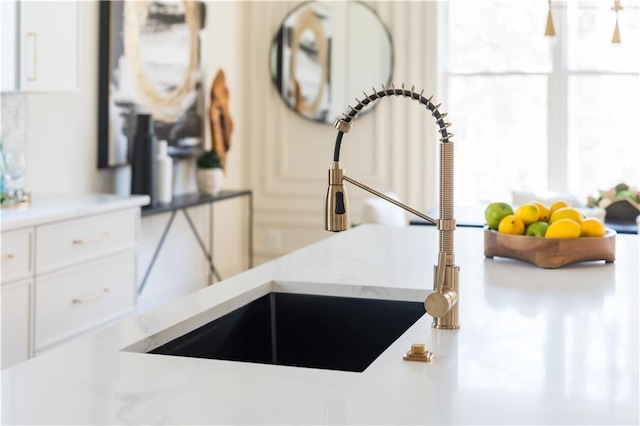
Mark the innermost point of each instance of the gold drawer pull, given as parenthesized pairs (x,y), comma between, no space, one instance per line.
(92,239)
(7,257)
(91,297)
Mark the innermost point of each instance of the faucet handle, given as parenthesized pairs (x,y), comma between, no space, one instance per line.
(439,303)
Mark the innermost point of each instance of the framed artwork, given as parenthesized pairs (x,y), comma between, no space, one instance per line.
(150,63)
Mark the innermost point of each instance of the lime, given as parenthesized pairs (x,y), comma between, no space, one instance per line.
(495,212)
(537,229)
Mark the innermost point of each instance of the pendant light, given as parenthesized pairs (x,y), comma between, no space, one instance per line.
(550,30)
(616,32)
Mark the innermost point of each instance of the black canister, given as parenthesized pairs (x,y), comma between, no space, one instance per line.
(143,162)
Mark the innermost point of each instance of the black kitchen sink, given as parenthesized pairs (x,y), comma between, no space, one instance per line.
(326,332)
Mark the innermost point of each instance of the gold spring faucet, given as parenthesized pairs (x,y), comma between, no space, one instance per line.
(442,304)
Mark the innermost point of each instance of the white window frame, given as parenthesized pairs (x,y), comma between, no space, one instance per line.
(558,178)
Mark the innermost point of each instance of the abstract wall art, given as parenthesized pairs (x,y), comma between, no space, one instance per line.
(150,63)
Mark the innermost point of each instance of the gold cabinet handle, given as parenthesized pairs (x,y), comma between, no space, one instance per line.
(91,297)
(33,76)
(7,257)
(92,239)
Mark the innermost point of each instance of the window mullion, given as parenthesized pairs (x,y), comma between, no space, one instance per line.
(557,114)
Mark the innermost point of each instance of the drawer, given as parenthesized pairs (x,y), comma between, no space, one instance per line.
(70,242)
(16,322)
(70,302)
(17,255)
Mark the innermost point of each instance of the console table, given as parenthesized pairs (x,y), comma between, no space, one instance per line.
(182,203)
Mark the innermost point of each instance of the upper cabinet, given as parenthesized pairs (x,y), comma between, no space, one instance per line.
(8,32)
(40,45)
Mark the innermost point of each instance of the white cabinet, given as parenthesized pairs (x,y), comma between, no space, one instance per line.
(49,38)
(64,276)
(16,320)
(41,38)
(85,274)
(16,258)
(83,297)
(71,242)
(9,32)
(16,266)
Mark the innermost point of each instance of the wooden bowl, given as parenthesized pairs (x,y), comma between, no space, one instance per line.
(550,252)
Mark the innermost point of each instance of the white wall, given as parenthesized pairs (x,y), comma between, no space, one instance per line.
(180,267)
(391,148)
(279,155)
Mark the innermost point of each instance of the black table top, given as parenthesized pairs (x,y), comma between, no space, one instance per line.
(192,200)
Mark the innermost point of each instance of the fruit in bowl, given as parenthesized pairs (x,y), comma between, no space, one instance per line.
(547,236)
(535,219)
(495,212)
(537,229)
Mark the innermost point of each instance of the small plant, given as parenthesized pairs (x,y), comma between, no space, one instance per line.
(209,160)
(209,173)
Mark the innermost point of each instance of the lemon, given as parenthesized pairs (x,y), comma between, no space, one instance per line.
(558,205)
(564,228)
(592,227)
(511,224)
(529,213)
(545,213)
(566,213)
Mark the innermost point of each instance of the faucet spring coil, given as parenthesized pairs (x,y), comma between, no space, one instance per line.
(446,197)
(350,116)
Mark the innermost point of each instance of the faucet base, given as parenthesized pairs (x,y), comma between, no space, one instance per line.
(445,326)
(449,320)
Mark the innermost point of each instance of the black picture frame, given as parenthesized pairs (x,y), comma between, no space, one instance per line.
(134,83)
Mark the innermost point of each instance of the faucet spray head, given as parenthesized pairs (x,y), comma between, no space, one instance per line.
(337,203)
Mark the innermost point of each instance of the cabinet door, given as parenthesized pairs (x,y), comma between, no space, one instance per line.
(9,32)
(75,300)
(71,242)
(16,311)
(16,255)
(49,46)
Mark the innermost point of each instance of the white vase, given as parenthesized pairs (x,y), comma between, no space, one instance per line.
(209,181)
(164,170)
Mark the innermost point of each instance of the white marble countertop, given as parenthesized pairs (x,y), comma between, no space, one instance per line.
(536,346)
(46,208)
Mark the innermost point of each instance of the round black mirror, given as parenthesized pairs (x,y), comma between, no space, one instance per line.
(327,53)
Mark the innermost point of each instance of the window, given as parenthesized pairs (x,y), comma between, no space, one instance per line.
(538,113)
